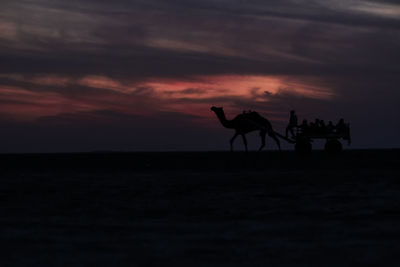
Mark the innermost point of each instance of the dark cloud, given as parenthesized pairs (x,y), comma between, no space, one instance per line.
(162,39)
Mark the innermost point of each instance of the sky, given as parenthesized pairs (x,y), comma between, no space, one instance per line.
(96,75)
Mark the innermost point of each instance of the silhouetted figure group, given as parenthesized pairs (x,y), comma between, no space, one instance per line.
(249,121)
(317,127)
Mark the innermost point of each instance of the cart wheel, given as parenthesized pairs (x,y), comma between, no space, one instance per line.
(303,146)
(333,146)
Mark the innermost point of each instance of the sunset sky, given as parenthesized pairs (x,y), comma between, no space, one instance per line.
(87,75)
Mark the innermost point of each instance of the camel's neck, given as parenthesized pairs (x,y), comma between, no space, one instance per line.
(226,123)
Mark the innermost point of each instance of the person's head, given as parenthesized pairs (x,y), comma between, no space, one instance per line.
(330,123)
(304,121)
(292,112)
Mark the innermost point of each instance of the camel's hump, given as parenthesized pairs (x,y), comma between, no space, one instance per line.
(249,116)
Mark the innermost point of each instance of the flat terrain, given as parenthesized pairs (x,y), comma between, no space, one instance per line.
(200,209)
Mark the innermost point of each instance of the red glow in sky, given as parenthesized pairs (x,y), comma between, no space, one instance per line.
(134,63)
(167,94)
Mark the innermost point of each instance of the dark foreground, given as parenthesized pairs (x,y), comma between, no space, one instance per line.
(200,209)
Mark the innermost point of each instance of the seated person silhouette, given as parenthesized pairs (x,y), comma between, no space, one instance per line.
(330,128)
(341,127)
(322,127)
(292,123)
(317,127)
(304,127)
(312,128)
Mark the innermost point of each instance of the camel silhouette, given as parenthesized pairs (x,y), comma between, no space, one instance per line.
(245,123)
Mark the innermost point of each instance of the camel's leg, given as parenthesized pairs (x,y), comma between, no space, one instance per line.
(262,135)
(244,141)
(233,139)
(273,136)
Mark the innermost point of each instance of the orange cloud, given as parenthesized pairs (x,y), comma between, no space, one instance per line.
(102,82)
(236,85)
(193,97)
(252,88)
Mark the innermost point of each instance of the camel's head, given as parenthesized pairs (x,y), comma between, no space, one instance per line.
(215,109)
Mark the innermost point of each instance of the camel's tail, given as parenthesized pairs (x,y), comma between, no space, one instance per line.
(285,138)
(269,129)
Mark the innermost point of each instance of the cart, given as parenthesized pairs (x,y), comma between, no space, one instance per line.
(303,138)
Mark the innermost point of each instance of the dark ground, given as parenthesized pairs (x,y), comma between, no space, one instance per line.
(200,209)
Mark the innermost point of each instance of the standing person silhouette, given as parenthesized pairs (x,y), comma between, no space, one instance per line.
(292,123)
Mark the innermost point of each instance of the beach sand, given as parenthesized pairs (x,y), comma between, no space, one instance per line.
(200,209)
